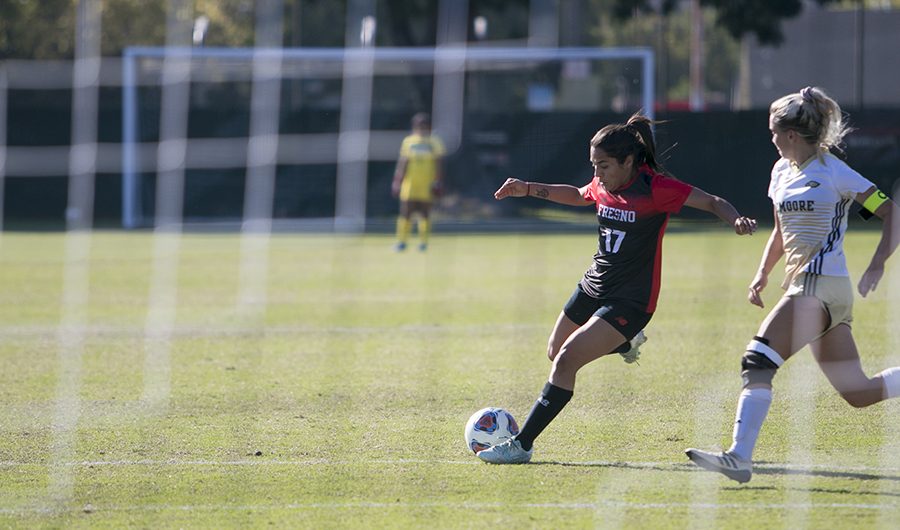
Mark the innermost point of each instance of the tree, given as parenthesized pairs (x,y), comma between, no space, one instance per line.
(761,18)
(46,29)
(36,30)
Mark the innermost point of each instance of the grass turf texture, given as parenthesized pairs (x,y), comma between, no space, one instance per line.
(337,395)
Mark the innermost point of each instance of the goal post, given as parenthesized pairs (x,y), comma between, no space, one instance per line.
(356,143)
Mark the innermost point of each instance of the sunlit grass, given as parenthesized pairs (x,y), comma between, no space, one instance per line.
(338,397)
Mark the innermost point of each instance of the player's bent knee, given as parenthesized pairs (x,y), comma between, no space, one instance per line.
(554,346)
(552,351)
(759,363)
(859,399)
(566,363)
(855,400)
(561,361)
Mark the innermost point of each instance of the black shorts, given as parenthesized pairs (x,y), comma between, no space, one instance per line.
(626,316)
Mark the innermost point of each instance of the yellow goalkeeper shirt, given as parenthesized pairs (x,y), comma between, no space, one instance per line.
(423,154)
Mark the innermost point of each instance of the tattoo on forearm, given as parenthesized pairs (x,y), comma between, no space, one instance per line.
(541,192)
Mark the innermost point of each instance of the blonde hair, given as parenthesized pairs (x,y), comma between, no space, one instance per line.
(813,115)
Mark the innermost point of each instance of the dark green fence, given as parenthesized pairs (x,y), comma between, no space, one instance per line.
(725,153)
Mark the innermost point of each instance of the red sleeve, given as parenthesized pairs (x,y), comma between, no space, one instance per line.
(589,191)
(669,194)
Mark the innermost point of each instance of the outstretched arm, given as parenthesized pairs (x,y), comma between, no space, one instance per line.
(560,193)
(890,237)
(723,209)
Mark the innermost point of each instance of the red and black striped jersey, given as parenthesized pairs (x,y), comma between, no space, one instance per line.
(632,221)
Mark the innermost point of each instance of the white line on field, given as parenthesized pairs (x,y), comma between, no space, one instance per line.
(237,331)
(454,505)
(624,465)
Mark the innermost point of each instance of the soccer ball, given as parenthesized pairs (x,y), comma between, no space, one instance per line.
(488,427)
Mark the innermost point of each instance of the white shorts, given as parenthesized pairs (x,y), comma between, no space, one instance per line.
(835,292)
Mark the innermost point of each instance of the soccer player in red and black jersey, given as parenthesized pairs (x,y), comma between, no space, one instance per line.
(617,295)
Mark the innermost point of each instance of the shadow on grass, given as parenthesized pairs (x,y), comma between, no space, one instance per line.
(856,475)
(649,466)
(767,469)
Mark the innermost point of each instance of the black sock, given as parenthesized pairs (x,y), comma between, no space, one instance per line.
(551,402)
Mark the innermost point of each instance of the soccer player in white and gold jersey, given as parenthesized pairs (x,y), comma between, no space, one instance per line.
(812,190)
(418,177)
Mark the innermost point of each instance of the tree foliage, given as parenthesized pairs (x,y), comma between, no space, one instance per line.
(45,29)
(38,30)
(761,18)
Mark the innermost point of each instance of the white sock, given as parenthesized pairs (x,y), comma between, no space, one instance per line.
(753,406)
(891,381)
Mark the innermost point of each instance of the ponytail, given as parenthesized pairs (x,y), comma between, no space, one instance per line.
(643,127)
(634,138)
(814,116)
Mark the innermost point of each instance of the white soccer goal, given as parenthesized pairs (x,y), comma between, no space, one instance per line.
(579,74)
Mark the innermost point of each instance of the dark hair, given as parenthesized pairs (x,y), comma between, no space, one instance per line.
(634,137)
(421,119)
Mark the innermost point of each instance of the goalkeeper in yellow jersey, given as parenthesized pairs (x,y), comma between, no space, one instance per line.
(417,179)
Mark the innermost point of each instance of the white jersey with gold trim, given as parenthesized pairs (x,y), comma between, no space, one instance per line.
(812,203)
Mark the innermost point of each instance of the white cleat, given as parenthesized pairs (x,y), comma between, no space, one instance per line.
(728,464)
(632,355)
(508,452)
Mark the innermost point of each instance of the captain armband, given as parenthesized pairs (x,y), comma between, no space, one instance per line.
(876,199)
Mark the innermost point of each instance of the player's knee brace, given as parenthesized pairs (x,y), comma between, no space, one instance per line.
(759,362)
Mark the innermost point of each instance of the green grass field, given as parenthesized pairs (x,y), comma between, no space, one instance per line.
(324,382)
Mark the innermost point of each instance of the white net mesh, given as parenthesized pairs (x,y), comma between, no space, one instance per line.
(159,153)
(223,135)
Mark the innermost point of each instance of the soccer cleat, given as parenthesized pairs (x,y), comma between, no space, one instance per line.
(423,247)
(728,464)
(632,355)
(400,246)
(508,452)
